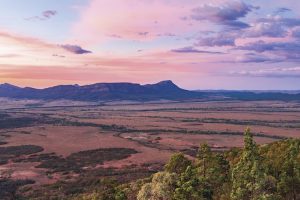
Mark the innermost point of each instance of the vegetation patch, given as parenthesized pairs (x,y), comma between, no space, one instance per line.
(8,188)
(7,123)
(12,152)
(281,123)
(100,179)
(77,161)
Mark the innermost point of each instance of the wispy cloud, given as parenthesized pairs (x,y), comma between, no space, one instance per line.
(45,15)
(282,10)
(278,72)
(194,50)
(49,13)
(257,58)
(75,49)
(217,40)
(290,50)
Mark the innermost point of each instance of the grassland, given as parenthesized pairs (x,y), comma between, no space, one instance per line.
(55,144)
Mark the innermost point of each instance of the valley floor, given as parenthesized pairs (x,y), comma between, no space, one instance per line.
(55,143)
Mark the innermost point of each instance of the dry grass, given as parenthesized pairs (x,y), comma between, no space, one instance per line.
(154,130)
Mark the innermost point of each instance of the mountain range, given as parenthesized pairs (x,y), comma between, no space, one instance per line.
(131,91)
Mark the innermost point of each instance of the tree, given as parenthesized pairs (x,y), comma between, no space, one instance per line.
(162,187)
(289,180)
(213,171)
(204,159)
(248,174)
(177,163)
(189,186)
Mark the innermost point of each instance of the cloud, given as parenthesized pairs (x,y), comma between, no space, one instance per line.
(135,19)
(217,40)
(278,72)
(274,26)
(296,32)
(49,13)
(36,45)
(114,36)
(225,14)
(75,49)
(193,50)
(289,50)
(257,58)
(11,55)
(14,39)
(262,46)
(268,29)
(143,33)
(166,35)
(45,15)
(283,21)
(57,55)
(282,10)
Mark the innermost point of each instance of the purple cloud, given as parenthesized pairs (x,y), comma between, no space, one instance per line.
(268,29)
(278,72)
(282,10)
(49,13)
(228,14)
(261,46)
(273,26)
(75,49)
(193,50)
(257,58)
(166,35)
(287,22)
(57,55)
(296,32)
(143,33)
(236,24)
(217,40)
(289,50)
(115,36)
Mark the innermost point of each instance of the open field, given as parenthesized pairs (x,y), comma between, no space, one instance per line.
(54,143)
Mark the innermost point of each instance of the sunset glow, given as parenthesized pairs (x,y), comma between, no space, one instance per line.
(199,44)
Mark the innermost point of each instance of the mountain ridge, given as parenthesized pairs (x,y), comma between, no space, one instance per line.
(101,91)
(166,90)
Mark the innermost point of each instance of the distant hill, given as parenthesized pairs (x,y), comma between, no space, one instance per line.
(136,92)
(101,91)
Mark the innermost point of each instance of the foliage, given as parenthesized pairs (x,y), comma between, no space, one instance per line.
(162,187)
(177,163)
(252,173)
(266,172)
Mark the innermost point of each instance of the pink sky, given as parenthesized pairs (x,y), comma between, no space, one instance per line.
(203,44)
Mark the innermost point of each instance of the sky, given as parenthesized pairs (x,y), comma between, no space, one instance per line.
(198,44)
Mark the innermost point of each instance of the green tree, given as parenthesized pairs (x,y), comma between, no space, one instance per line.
(205,159)
(162,187)
(248,174)
(120,195)
(289,180)
(213,170)
(177,163)
(189,186)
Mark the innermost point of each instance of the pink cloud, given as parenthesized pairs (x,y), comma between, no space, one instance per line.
(23,50)
(134,19)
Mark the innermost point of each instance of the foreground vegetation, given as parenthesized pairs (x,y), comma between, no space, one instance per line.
(256,172)
(253,173)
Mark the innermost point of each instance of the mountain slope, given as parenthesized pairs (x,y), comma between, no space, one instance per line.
(101,91)
(132,91)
